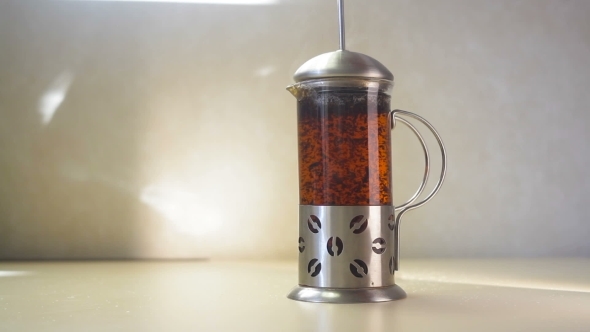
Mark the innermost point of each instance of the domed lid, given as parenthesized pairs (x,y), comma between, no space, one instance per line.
(343,64)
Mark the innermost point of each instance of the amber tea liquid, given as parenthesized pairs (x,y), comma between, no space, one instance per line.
(344,147)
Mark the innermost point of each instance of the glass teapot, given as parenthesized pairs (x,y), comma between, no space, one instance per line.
(348,225)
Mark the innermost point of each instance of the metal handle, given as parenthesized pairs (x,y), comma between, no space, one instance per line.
(426,159)
(410,205)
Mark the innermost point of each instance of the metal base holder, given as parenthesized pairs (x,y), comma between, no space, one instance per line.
(344,295)
(346,254)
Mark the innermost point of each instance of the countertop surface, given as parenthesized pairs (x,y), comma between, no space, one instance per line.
(443,295)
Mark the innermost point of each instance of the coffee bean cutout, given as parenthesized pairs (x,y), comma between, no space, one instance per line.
(358,224)
(354,268)
(301,244)
(339,246)
(314,224)
(379,246)
(317,268)
(391,265)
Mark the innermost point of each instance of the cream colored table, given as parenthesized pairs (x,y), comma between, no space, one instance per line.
(456,295)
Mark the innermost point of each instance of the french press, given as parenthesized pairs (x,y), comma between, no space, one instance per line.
(349,230)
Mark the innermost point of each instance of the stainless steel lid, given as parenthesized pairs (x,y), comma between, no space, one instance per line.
(343,64)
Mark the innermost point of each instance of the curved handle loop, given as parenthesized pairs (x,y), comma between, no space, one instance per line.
(426,160)
(410,205)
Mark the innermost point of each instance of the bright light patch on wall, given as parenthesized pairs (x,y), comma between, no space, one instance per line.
(214,2)
(183,209)
(54,96)
(265,71)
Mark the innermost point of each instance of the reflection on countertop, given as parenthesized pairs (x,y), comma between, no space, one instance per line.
(443,295)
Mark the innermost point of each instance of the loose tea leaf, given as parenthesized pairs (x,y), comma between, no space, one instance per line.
(344,147)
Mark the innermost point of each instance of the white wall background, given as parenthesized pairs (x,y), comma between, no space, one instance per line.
(164,130)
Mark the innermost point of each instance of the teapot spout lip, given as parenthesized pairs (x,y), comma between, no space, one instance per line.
(291,88)
(295,90)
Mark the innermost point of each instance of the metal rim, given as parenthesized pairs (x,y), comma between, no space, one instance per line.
(344,295)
